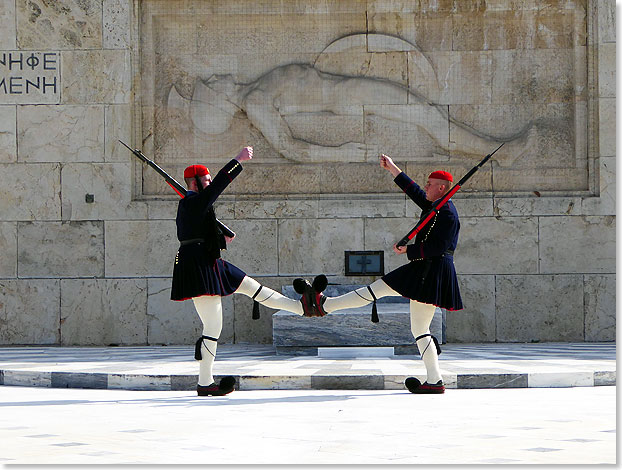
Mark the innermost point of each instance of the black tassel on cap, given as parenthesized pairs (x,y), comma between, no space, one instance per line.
(374,309)
(256,304)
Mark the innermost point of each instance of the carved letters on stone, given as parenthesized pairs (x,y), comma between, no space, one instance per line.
(28,77)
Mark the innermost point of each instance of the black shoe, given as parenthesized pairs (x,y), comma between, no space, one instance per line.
(307,300)
(425,387)
(226,385)
(319,284)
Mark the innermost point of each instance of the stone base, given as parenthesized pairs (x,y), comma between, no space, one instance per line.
(295,335)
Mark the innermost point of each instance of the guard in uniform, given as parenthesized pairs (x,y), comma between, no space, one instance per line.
(202,275)
(428,280)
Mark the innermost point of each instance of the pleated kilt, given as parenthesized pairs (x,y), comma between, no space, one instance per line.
(439,286)
(196,274)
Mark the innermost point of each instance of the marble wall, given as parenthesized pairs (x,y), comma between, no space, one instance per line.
(87,234)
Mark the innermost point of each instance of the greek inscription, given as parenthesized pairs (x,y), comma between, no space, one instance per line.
(29,77)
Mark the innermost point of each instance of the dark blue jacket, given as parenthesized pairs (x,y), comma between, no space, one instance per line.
(441,233)
(195,213)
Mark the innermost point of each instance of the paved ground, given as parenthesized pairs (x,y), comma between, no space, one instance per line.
(257,367)
(465,426)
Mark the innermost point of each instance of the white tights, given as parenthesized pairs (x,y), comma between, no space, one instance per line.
(420,318)
(209,308)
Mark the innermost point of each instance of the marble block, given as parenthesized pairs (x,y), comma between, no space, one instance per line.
(66,24)
(8,248)
(103,312)
(349,327)
(60,249)
(7,20)
(8,139)
(29,311)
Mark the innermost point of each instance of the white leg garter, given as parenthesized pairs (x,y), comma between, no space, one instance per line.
(268,297)
(359,297)
(209,309)
(420,318)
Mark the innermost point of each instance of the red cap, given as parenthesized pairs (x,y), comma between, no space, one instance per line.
(441,175)
(195,170)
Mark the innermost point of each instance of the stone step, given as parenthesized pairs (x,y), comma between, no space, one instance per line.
(295,335)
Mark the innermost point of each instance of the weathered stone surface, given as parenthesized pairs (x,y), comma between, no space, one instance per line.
(8,133)
(103,312)
(406,132)
(7,20)
(116,24)
(497,245)
(60,249)
(501,29)
(607,126)
(140,248)
(60,133)
(67,24)
(384,64)
(526,180)
(539,308)
(29,311)
(254,248)
(364,205)
(79,380)
(577,244)
(427,31)
(16,204)
(534,205)
(110,187)
(492,381)
(607,70)
(605,202)
(109,82)
(476,322)
(542,136)
(606,21)
(532,76)
(118,119)
(169,322)
(8,248)
(355,179)
(316,246)
(452,69)
(471,206)
(162,209)
(324,127)
(311,32)
(286,207)
(600,307)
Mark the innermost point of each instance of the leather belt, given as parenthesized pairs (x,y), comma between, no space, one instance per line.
(191,241)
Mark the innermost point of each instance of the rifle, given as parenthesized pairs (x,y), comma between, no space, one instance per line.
(178,188)
(417,228)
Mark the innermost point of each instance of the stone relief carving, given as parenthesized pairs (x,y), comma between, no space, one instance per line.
(313,94)
(268,101)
